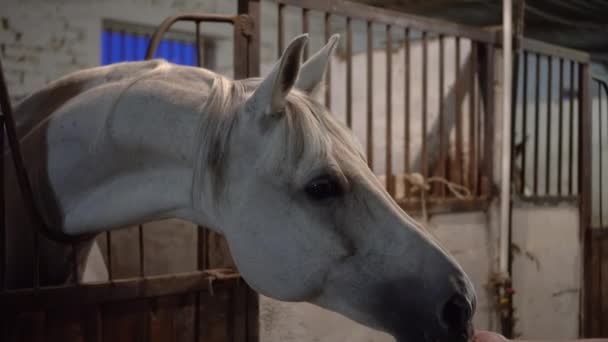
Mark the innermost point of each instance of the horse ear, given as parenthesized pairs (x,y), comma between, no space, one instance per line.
(270,95)
(312,71)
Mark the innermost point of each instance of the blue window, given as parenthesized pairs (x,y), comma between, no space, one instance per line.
(121,46)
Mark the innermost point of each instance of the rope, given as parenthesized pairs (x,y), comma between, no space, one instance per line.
(417,180)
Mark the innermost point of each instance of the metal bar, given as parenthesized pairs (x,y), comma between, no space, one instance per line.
(536,123)
(370,95)
(472,181)
(3,252)
(584,177)
(524,123)
(140,235)
(281,30)
(349,74)
(199,58)
(571,134)
(36,256)
(389,113)
(328,70)
(406,109)
(251,10)
(442,135)
(560,126)
(75,263)
(539,47)
(425,171)
(305,29)
(599,150)
(201,243)
(197,316)
(458,113)
(487,67)
(393,18)
(505,187)
(109,254)
(195,17)
(549,114)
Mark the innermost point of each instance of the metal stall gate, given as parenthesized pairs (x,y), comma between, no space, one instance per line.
(419,112)
(557,155)
(209,304)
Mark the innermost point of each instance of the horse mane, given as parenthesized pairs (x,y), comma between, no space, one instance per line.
(309,132)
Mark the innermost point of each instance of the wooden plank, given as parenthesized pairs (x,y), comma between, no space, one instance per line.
(171,318)
(26,327)
(218,253)
(183,317)
(214,317)
(126,321)
(50,297)
(239,312)
(91,323)
(64,326)
(253,313)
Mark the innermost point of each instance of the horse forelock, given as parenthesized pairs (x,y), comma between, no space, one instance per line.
(308,133)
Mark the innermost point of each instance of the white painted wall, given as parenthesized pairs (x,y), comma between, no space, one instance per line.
(547,271)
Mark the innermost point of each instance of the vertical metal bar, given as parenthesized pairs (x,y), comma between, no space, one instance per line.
(75,263)
(140,235)
(458,114)
(36,259)
(281,30)
(486,56)
(571,134)
(305,29)
(199,58)
(549,114)
(252,8)
(349,73)
(442,135)
(472,181)
(389,112)
(584,176)
(425,170)
(599,150)
(197,316)
(370,96)
(604,87)
(109,254)
(524,124)
(328,70)
(560,153)
(3,254)
(201,257)
(406,109)
(536,123)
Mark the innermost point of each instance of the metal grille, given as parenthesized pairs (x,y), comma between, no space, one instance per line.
(417,93)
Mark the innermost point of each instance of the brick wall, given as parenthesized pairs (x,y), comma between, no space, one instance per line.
(41,40)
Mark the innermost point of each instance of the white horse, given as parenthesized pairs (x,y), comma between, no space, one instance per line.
(257,160)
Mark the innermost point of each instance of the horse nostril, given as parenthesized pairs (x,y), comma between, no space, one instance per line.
(457,314)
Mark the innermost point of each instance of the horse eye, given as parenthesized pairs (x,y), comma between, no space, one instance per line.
(323,187)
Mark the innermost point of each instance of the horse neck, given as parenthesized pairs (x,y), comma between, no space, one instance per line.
(139,165)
